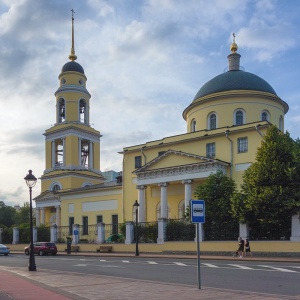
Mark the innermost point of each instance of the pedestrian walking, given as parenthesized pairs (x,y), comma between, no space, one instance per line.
(241,243)
(247,248)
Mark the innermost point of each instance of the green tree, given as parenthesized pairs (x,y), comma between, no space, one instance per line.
(270,192)
(7,215)
(217,191)
(23,215)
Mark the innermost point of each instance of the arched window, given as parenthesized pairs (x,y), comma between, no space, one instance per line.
(55,186)
(83,112)
(212,121)
(61,111)
(265,116)
(193,125)
(239,117)
(281,123)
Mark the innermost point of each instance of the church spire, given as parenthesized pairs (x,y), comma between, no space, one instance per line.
(72,56)
(234,57)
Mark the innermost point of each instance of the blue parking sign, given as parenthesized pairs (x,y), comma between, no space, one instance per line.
(197,211)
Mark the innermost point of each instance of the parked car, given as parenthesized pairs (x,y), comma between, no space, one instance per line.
(42,248)
(4,250)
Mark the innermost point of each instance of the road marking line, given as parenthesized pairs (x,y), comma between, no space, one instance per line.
(82,259)
(102,260)
(180,264)
(240,267)
(210,265)
(152,262)
(126,261)
(80,265)
(278,269)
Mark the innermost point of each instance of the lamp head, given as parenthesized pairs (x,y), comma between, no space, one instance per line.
(30,179)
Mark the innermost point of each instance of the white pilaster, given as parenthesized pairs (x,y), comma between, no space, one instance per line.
(141,200)
(163,200)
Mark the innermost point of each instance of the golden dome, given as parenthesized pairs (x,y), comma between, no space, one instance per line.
(234,46)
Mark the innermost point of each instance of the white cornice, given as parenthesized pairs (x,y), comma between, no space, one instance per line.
(61,133)
(179,173)
(72,88)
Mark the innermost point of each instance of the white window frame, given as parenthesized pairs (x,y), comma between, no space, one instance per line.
(211,150)
(242,144)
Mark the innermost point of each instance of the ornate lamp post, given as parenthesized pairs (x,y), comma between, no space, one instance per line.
(136,205)
(31,181)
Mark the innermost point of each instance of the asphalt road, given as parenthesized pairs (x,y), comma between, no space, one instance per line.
(265,277)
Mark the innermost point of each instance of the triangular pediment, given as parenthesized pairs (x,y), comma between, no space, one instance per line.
(172,158)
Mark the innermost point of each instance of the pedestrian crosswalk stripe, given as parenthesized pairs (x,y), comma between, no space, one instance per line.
(278,269)
(179,264)
(152,263)
(210,265)
(241,267)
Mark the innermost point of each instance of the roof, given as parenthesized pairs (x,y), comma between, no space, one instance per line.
(234,80)
(72,66)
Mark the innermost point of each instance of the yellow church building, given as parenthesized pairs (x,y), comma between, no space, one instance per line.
(225,124)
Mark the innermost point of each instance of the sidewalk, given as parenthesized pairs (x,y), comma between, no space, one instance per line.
(20,284)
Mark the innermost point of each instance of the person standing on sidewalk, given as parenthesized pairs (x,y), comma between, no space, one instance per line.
(247,248)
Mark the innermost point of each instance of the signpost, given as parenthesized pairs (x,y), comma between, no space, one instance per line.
(197,215)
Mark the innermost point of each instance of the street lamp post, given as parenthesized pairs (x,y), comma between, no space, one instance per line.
(31,181)
(136,205)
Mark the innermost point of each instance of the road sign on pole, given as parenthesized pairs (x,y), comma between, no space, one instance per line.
(197,215)
(197,211)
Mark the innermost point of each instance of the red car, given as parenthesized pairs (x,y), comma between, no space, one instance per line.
(42,248)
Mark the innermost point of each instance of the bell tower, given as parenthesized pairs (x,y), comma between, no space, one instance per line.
(72,145)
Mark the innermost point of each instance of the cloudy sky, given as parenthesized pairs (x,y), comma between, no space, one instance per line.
(144,59)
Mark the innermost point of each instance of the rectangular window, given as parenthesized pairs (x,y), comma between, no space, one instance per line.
(99,219)
(71,222)
(85,225)
(114,219)
(137,162)
(242,145)
(211,150)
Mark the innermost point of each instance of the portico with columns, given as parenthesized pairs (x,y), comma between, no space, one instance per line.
(155,183)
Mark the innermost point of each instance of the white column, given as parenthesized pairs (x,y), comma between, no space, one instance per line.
(162,224)
(164,200)
(91,155)
(34,231)
(64,152)
(53,155)
(43,216)
(100,233)
(187,192)
(15,235)
(129,233)
(57,211)
(37,216)
(53,234)
(141,200)
(244,230)
(295,236)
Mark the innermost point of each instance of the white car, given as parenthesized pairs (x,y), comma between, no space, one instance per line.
(4,250)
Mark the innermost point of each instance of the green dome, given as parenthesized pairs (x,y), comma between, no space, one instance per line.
(72,66)
(234,80)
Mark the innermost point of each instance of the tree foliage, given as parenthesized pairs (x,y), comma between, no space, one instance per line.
(7,215)
(270,192)
(217,191)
